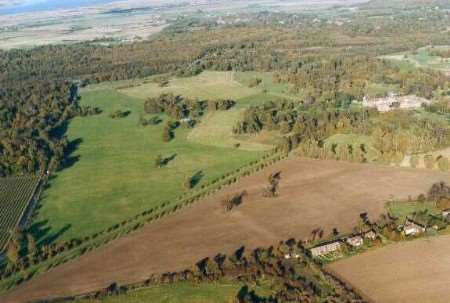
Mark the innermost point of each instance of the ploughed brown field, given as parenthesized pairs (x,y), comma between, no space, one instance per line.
(413,272)
(313,193)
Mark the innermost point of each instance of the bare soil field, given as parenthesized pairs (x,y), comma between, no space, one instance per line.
(313,194)
(413,272)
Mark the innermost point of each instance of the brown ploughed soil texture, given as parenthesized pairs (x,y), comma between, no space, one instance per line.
(313,194)
(414,272)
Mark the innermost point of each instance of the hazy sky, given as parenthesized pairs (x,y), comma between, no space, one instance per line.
(27,6)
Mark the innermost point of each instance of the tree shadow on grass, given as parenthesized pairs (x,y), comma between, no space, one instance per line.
(70,159)
(197,177)
(169,159)
(44,234)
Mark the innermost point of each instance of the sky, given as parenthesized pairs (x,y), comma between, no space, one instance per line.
(8,7)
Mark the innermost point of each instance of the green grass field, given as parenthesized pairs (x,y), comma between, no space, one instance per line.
(422,58)
(216,129)
(403,209)
(184,292)
(207,85)
(113,176)
(178,293)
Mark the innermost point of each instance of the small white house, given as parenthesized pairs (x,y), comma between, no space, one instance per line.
(411,228)
(325,249)
(355,241)
(371,235)
(185,120)
(291,256)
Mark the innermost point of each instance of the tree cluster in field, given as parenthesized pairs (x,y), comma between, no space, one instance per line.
(234,201)
(87,110)
(271,190)
(440,193)
(310,120)
(118,114)
(178,107)
(347,78)
(32,122)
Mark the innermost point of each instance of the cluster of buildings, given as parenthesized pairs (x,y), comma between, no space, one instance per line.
(393,101)
(413,226)
(354,241)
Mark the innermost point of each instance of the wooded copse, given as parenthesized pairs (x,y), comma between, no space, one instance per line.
(179,107)
(32,119)
(308,125)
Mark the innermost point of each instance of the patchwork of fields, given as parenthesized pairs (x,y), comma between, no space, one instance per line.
(16,194)
(414,272)
(313,194)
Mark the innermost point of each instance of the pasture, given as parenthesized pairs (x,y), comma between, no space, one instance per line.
(111,175)
(413,271)
(15,196)
(216,129)
(207,85)
(313,194)
(424,58)
(177,293)
(181,292)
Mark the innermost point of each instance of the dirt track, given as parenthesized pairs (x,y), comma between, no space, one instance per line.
(313,194)
(413,272)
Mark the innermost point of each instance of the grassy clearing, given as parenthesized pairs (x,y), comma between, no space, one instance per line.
(178,293)
(207,85)
(113,176)
(217,129)
(186,292)
(403,209)
(267,86)
(422,58)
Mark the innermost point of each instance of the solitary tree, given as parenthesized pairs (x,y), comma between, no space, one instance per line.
(272,189)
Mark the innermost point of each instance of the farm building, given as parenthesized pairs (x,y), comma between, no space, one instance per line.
(355,241)
(412,228)
(326,248)
(446,213)
(371,235)
(393,101)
